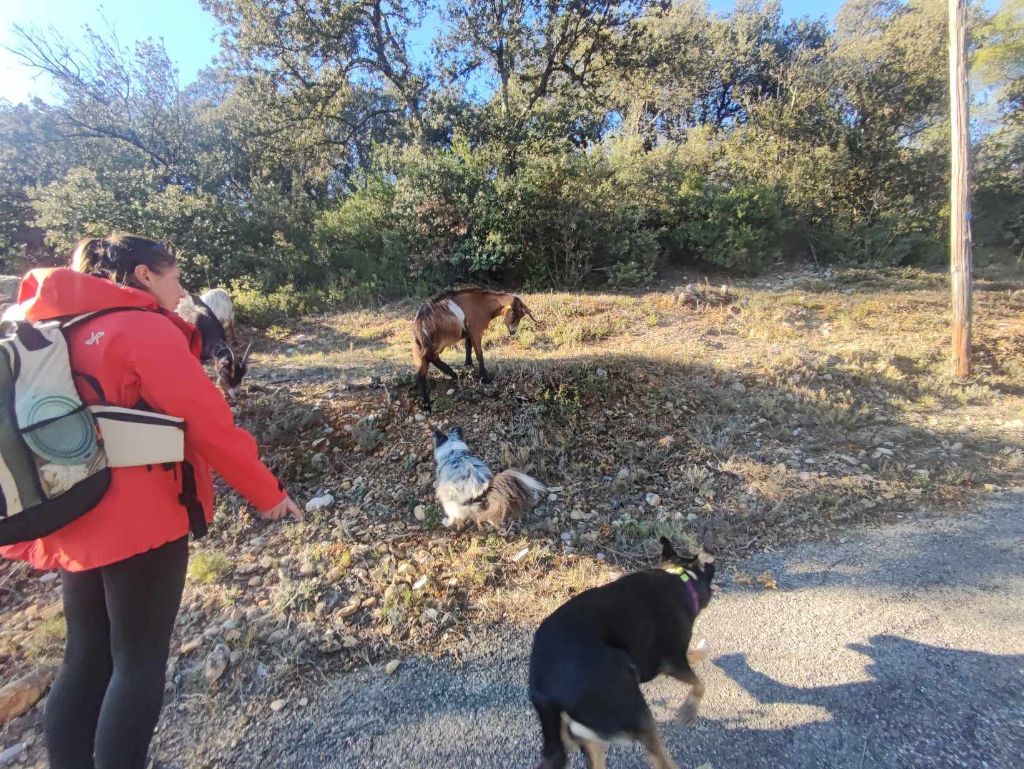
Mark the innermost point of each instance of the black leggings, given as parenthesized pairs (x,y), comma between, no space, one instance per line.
(106,699)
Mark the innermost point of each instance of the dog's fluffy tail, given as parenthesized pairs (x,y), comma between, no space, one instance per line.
(511,494)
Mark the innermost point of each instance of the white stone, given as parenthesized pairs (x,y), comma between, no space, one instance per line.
(319,503)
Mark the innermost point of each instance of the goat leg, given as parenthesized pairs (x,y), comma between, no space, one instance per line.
(422,365)
(444,367)
(478,347)
(469,353)
(421,383)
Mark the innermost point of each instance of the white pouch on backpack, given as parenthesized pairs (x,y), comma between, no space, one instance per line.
(132,437)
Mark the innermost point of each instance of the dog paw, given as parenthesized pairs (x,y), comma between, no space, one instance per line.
(698,651)
(688,712)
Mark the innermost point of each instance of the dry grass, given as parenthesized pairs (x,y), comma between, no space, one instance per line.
(811,403)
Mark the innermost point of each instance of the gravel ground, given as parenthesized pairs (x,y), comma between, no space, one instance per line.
(898,647)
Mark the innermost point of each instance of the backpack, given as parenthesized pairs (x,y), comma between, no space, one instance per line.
(55,452)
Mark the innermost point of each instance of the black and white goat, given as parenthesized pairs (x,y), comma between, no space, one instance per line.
(219,302)
(216,349)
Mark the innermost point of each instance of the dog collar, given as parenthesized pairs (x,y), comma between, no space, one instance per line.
(688,578)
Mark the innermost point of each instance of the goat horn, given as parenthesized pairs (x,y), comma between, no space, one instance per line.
(245,357)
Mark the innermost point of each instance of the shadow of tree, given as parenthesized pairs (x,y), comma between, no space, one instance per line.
(923,706)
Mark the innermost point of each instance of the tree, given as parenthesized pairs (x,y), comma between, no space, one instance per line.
(325,79)
(544,66)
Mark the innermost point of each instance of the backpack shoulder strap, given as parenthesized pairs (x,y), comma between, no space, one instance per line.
(68,321)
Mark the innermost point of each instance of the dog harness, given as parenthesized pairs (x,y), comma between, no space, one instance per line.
(688,578)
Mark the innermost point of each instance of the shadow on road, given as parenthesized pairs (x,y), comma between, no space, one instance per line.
(924,706)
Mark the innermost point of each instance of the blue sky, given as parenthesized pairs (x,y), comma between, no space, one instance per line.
(189,33)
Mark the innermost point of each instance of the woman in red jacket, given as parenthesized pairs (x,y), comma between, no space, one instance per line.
(124,561)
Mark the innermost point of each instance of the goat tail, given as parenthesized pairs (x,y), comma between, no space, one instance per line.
(187,309)
(420,340)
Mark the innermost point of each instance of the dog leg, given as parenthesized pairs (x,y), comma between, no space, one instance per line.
(688,712)
(698,652)
(595,754)
(657,752)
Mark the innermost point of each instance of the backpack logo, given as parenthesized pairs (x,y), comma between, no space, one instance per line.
(95,338)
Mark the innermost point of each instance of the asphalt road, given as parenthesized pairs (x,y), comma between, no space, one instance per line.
(901,647)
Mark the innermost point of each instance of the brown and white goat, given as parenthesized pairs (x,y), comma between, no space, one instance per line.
(459,315)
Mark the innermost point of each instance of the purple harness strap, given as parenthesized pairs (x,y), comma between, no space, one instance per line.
(691,591)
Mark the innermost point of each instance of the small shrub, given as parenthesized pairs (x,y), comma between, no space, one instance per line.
(46,638)
(208,566)
(367,435)
(630,274)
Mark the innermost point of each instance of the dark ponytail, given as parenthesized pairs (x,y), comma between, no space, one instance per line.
(115,257)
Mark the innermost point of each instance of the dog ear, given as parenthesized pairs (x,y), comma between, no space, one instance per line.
(456,433)
(668,552)
(439,437)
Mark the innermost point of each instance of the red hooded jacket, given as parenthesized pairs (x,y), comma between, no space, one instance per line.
(151,357)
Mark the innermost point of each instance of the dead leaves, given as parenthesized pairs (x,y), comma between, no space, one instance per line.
(765,579)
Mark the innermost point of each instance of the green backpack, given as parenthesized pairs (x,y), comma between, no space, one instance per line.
(54,465)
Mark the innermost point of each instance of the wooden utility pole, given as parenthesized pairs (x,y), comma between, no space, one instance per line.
(960,189)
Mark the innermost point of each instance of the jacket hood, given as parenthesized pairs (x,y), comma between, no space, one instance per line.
(55,293)
(60,292)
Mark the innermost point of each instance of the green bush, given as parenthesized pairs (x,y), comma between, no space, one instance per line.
(263,308)
(737,226)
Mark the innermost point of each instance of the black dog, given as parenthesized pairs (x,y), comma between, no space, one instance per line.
(591,655)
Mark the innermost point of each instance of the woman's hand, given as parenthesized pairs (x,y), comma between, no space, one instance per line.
(281,509)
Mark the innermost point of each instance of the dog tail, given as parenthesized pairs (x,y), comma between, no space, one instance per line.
(511,493)
(554,755)
(532,484)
